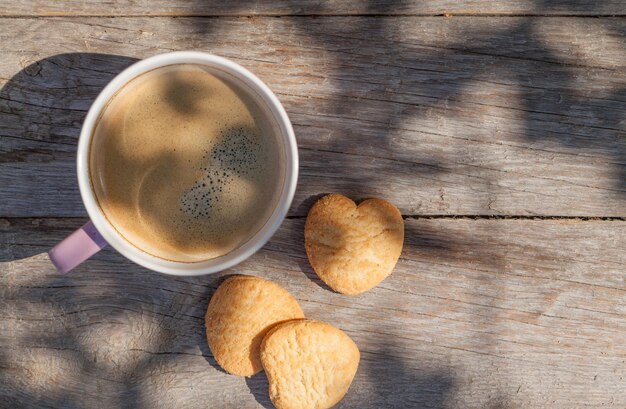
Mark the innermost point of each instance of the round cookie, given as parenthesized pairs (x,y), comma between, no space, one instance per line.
(353,248)
(309,364)
(240,313)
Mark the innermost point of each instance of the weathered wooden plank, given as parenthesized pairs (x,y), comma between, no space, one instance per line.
(478,313)
(336,7)
(511,116)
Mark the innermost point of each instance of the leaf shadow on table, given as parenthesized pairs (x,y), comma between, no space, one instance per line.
(395,383)
(422,78)
(116,339)
(386,85)
(561,112)
(410,76)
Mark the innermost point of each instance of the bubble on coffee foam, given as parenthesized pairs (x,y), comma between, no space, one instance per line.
(237,152)
(236,156)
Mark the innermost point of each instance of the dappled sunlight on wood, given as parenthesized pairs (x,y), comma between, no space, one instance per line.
(471,125)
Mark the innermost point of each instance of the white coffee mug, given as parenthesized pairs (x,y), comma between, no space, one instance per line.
(99,232)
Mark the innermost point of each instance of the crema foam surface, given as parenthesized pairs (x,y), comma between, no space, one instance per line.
(184,164)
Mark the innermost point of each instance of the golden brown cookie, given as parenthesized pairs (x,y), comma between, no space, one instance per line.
(240,313)
(353,248)
(309,364)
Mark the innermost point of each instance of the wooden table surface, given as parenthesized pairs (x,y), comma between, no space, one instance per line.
(497,127)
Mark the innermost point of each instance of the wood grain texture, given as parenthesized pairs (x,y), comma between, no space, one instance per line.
(477,314)
(287,8)
(506,116)
(475,116)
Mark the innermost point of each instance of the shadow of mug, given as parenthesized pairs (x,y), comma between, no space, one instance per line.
(42,108)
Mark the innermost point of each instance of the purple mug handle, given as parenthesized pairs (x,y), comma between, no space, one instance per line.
(76,248)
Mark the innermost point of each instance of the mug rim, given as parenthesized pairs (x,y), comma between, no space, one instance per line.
(254,243)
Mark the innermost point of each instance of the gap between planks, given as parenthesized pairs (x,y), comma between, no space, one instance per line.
(404,216)
(313,15)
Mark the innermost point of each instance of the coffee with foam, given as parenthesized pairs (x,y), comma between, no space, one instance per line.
(185,163)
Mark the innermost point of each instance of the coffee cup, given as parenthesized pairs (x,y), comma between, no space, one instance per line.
(101,230)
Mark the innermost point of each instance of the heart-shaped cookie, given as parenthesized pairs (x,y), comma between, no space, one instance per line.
(309,364)
(353,248)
